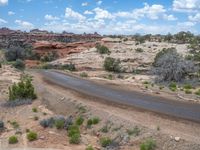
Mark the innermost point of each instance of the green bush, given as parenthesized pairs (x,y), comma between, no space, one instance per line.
(14,124)
(111,64)
(187,86)
(102,49)
(89,147)
(22,90)
(19,64)
(32,136)
(105,141)
(198,92)
(148,145)
(79,121)
(59,124)
(13,140)
(173,86)
(84,74)
(95,120)
(135,131)
(74,134)
(75,139)
(187,91)
(34,110)
(73,129)
(89,122)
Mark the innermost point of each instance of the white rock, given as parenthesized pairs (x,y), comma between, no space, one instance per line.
(177,139)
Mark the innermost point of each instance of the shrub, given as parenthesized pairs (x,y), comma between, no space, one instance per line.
(34,110)
(73,129)
(104,129)
(95,120)
(89,147)
(187,86)
(22,90)
(70,67)
(13,140)
(0,65)
(14,124)
(89,122)
(173,86)
(59,124)
(105,141)
(79,121)
(198,92)
(32,136)
(102,49)
(111,64)
(1,125)
(148,145)
(74,134)
(139,50)
(187,91)
(36,118)
(19,64)
(135,131)
(75,139)
(84,74)
(170,66)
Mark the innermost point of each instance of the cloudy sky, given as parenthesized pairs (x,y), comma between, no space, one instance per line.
(103,16)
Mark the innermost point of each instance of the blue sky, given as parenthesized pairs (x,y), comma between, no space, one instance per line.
(102,16)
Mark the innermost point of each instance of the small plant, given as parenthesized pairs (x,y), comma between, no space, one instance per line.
(1,125)
(105,129)
(89,147)
(187,86)
(82,109)
(27,130)
(161,87)
(34,110)
(79,121)
(95,120)
(111,64)
(173,86)
(19,64)
(75,139)
(135,131)
(139,50)
(84,74)
(146,82)
(12,140)
(101,49)
(59,124)
(36,118)
(105,141)
(158,128)
(14,124)
(148,145)
(89,122)
(198,92)
(74,134)
(32,136)
(187,91)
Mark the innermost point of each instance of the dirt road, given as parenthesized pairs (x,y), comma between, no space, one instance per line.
(178,109)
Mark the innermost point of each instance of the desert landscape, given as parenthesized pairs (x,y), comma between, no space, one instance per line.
(99,75)
(96,123)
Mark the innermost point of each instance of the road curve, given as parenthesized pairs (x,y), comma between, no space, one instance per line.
(178,109)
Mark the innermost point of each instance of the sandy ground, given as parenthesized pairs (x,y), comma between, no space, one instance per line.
(54,100)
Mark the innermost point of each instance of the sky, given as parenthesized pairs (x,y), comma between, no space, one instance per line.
(102,16)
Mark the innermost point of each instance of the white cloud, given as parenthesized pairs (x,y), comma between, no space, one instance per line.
(69,13)
(24,24)
(99,2)
(87,12)
(3,2)
(84,4)
(50,17)
(102,14)
(2,21)
(10,13)
(169,17)
(195,18)
(186,5)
